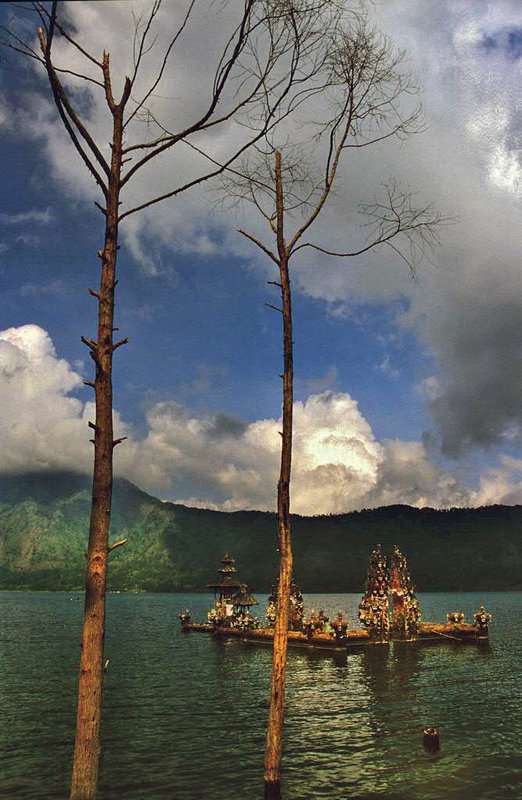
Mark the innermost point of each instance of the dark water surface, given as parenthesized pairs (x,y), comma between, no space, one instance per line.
(184,715)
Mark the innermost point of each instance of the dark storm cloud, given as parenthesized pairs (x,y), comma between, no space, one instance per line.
(478,344)
(467,310)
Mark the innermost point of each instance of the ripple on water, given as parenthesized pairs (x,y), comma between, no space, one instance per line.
(184,715)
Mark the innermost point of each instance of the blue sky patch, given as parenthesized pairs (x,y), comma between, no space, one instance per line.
(507,40)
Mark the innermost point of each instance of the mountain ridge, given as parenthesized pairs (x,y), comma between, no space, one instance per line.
(173,547)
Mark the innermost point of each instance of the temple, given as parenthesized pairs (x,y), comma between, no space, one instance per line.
(388,611)
(228,583)
(232,599)
(389,608)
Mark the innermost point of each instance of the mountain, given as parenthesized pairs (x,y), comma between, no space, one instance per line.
(44,524)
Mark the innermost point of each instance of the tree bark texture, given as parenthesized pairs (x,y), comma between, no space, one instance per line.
(87,741)
(274,736)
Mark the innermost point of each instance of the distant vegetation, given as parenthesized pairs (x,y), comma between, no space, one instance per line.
(43,539)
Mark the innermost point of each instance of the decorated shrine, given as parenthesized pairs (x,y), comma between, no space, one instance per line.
(389,608)
(404,606)
(295,612)
(388,611)
(374,608)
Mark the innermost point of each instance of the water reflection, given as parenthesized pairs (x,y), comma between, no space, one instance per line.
(342,712)
(184,715)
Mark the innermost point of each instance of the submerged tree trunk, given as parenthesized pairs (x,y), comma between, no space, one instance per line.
(274,736)
(87,741)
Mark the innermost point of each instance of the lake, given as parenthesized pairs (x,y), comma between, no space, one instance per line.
(184,714)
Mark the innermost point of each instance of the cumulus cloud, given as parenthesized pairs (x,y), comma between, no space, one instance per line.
(502,484)
(40,420)
(43,425)
(220,461)
(338,466)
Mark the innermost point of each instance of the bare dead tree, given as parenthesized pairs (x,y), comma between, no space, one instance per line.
(363,83)
(272,56)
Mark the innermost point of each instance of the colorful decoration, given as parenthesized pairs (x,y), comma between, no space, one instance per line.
(373,608)
(339,626)
(184,616)
(455,618)
(296,609)
(389,605)
(482,619)
(232,599)
(404,606)
(220,614)
(389,610)
(242,602)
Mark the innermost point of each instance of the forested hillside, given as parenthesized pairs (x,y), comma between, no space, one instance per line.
(44,521)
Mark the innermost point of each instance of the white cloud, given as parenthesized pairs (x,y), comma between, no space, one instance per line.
(41,423)
(465,310)
(219,461)
(502,484)
(321,384)
(33,215)
(407,475)
(388,369)
(38,290)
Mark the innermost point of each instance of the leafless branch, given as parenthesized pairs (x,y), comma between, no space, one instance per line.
(260,245)
(67,113)
(20,46)
(164,61)
(112,547)
(66,35)
(79,75)
(295,37)
(396,218)
(224,72)
(142,49)
(364,80)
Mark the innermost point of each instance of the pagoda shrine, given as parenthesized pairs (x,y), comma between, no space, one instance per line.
(243,600)
(228,583)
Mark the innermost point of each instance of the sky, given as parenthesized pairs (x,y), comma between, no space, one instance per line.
(408,387)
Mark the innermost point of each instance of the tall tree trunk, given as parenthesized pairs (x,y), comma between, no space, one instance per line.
(87,741)
(274,736)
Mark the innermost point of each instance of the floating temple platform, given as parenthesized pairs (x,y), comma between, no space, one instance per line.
(388,611)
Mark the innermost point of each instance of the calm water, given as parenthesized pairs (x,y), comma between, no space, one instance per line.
(184,715)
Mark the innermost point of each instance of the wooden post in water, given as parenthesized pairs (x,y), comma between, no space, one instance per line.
(431,739)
